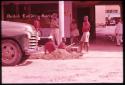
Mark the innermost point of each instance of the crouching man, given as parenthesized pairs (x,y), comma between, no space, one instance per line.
(49,46)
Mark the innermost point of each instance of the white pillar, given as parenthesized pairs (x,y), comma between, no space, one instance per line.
(61,19)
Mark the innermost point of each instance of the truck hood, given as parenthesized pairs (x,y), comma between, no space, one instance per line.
(17,25)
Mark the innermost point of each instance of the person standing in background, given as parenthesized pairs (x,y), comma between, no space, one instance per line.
(54,24)
(118,32)
(74,32)
(85,37)
(37,25)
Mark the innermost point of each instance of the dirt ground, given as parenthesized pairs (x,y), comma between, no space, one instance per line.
(102,64)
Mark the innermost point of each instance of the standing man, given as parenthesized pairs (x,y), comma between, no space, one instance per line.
(37,25)
(118,32)
(54,24)
(74,32)
(85,37)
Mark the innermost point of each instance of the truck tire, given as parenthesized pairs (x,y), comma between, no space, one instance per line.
(11,52)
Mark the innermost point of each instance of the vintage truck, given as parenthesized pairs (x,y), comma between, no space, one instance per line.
(19,40)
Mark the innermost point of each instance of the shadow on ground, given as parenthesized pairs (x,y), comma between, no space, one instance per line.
(103,44)
(25,63)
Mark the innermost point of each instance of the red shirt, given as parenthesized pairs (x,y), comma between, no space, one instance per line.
(86,27)
(50,47)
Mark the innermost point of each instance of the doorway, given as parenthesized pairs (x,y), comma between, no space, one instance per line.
(86,11)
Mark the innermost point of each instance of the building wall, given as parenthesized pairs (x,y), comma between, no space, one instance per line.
(100,14)
(2,16)
(67,11)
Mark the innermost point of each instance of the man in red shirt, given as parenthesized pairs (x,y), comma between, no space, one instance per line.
(85,37)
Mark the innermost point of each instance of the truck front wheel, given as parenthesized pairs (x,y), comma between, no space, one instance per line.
(11,52)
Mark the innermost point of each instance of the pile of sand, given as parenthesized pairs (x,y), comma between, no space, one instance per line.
(57,54)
